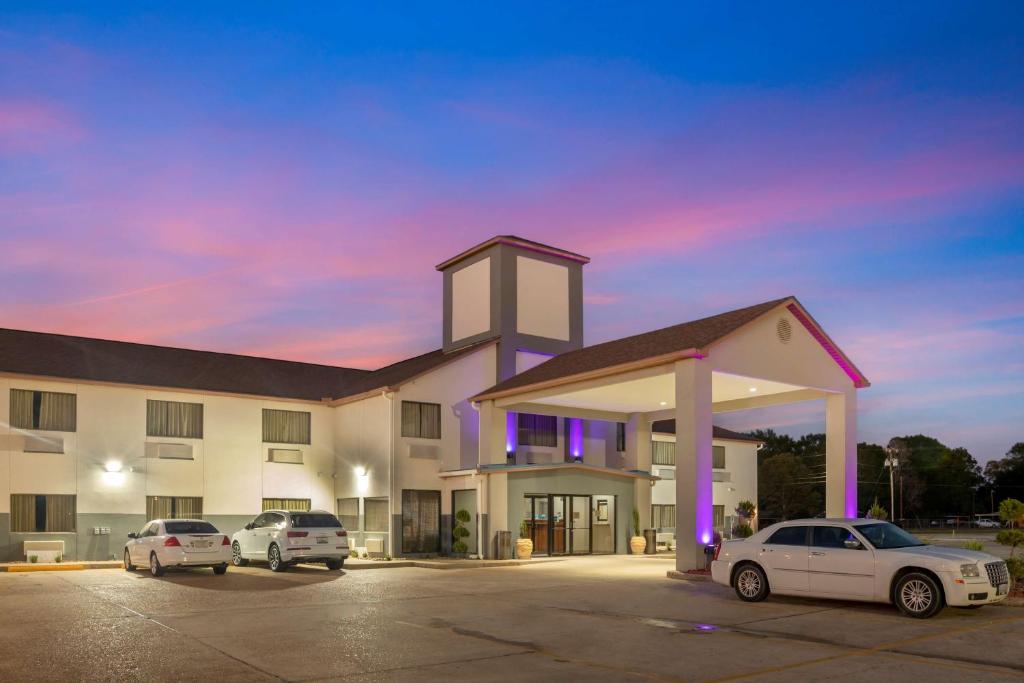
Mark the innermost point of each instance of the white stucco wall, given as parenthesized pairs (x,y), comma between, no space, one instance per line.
(471,300)
(542,298)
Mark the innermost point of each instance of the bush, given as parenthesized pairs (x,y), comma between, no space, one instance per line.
(459,547)
(742,531)
(59,559)
(524,529)
(33,558)
(636,522)
(1015,566)
(877,511)
(460,532)
(746,509)
(1010,537)
(463,516)
(974,545)
(1011,511)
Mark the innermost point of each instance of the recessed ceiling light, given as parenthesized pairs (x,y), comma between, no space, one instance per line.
(753,389)
(664,403)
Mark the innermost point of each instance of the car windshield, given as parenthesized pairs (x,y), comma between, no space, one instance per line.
(885,536)
(307,520)
(190,528)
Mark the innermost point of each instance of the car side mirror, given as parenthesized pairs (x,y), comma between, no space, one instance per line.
(852,544)
(133,535)
(248,527)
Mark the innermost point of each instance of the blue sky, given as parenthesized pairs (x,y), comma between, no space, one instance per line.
(281,181)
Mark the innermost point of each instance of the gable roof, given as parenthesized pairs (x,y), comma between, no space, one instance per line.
(514,241)
(685,340)
(65,357)
(669,427)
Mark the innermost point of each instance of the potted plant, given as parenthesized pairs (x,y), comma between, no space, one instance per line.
(524,546)
(746,511)
(637,544)
(459,532)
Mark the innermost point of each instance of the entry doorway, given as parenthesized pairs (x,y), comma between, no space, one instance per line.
(563,524)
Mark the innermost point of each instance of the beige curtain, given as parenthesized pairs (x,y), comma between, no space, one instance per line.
(430,420)
(410,418)
(60,513)
(348,513)
(375,514)
(23,511)
(188,508)
(174,419)
(718,457)
(21,409)
(289,504)
(158,507)
(285,426)
(57,412)
(663,453)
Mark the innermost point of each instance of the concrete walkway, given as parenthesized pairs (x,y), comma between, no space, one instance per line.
(350,564)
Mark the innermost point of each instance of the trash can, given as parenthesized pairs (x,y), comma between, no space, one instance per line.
(651,536)
(503,541)
(709,555)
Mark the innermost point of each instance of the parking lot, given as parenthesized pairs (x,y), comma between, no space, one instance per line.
(612,618)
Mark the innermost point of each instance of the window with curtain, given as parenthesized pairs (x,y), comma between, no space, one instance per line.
(348,513)
(718,457)
(285,426)
(289,504)
(537,430)
(174,507)
(32,512)
(422,420)
(47,410)
(663,453)
(718,515)
(663,516)
(421,521)
(620,436)
(174,419)
(375,514)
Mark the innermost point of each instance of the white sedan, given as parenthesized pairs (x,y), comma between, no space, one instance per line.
(859,559)
(282,538)
(164,543)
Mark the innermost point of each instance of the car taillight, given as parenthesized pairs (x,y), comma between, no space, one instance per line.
(225,541)
(172,542)
(342,533)
(718,549)
(298,534)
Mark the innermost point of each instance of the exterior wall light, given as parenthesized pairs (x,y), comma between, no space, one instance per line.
(112,466)
(362,479)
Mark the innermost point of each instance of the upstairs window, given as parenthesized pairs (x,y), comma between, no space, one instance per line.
(620,436)
(46,410)
(538,430)
(174,419)
(663,453)
(285,426)
(718,457)
(421,420)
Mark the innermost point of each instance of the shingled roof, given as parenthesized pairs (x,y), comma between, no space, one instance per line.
(100,360)
(677,339)
(669,427)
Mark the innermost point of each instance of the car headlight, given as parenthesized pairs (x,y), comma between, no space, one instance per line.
(968,570)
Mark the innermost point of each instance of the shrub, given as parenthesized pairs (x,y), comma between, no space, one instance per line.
(716,539)
(59,559)
(974,545)
(636,522)
(1015,566)
(460,532)
(460,547)
(524,529)
(877,511)
(1010,537)
(746,509)
(1011,510)
(742,531)
(33,558)
(463,516)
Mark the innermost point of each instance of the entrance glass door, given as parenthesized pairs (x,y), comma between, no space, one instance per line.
(558,538)
(579,520)
(559,524)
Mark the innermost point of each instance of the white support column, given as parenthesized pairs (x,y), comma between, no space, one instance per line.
(638,458)
(694,513)
(493,434)
(841,454)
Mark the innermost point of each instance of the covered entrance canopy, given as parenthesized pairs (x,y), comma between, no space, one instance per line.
(765,355)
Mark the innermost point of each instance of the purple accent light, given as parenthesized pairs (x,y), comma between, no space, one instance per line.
(576,438)
(511,425)
(841,360)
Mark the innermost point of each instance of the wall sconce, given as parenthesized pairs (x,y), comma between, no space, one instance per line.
(362,479)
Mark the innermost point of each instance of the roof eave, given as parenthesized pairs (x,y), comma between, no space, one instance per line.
(514,242)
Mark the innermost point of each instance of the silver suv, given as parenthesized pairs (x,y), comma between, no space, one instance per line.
(282,538)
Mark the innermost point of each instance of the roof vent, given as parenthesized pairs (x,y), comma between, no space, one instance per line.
(784,330)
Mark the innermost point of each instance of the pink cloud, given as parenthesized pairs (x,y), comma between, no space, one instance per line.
(32,126)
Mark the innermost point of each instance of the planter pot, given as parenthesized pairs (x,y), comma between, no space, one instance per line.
(637,545)
(524,548)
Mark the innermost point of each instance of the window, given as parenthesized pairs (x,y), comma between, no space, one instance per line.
(718,516)
(375,514)
(285,426)
(663,516)
(421,521)
(718,457)
(348,512)
(38,513)
(190,528)
(666,473)
(620,436)
(830,536)
(306,520)
(174,507)
(663,453)
(174,419)
(538,430)
(289,456)
(260,521)
(289,504)
(45,410)
(789,535)
(421,420)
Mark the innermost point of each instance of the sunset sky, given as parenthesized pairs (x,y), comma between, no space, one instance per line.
(283,183)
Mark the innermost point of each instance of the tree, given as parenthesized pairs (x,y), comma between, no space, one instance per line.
(786,488)
(1005,477)
(1011,511)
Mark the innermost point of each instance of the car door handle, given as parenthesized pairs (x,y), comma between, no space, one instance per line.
(815,553)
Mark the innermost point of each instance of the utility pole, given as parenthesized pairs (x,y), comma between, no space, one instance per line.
(892,462)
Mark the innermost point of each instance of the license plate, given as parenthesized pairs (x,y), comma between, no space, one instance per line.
(321,539)
(201,544)
(1002,588)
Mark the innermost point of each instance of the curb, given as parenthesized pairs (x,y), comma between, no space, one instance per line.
(69,567)
(684,576)
(393,564)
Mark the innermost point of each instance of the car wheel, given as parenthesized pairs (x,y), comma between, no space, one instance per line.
(275,561)
(236,555)
(918,595)
(128,566)
(751,584)
(155,568)
(335,565)
(220,569)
